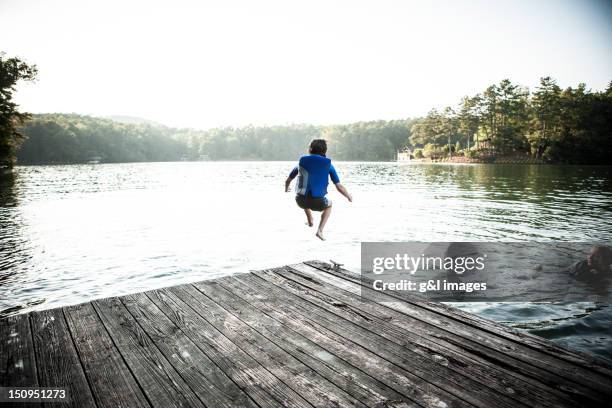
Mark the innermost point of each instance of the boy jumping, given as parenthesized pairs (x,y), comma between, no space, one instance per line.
(314,170)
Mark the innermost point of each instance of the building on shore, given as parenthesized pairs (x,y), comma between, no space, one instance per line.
(404,156)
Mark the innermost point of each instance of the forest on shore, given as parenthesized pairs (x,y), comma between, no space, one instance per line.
(571,125)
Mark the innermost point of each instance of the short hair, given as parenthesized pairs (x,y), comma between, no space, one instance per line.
(318,146)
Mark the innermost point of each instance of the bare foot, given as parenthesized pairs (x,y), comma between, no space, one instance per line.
(310,223)
(319,235)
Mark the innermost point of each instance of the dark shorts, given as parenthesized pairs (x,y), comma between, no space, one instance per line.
(312,203)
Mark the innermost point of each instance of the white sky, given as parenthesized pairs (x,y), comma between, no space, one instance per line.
(232,62)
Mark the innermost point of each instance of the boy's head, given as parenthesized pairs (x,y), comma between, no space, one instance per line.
(318,146)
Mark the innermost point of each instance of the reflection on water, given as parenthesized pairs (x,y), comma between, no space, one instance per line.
(73,233)
(13,244)
(8,192)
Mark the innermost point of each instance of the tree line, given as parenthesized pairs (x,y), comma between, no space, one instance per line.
(71,138)
(572,125)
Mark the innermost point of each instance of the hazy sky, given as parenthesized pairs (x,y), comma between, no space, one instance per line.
(233,62)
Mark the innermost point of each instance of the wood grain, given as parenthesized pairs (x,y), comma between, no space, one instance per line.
(367,389)
(57,361)
(263,387)
(111,381)
(158,379)
(207,380)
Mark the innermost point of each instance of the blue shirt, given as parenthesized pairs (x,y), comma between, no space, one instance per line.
(314,171)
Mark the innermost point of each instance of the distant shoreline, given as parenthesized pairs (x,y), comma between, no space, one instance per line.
(507,159)
(445,161)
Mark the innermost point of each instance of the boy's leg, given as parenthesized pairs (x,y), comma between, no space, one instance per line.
(324,217)
(309,217)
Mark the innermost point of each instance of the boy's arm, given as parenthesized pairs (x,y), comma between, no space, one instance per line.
(292,175)
(336,180)
(342,190)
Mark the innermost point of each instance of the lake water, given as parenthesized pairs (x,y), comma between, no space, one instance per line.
(74,233)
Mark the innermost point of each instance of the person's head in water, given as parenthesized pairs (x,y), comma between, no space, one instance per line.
(600,258)
(318,146)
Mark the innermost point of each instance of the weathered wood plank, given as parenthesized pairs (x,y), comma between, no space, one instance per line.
(435,334)
(277,303)
(367,389)
(302,379)
(394,327)
(574,373)
(427,368)
(17,361)
(260,385)
(207,380)
(110,379)
(581,359)
(57,361)
(438,328)
(159,381)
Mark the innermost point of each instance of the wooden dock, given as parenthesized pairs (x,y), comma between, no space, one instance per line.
(296,336)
